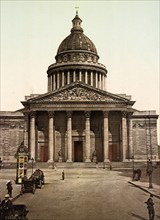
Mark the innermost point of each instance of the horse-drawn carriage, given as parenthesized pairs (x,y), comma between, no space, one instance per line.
(28,185)
(36,180)
(38,177)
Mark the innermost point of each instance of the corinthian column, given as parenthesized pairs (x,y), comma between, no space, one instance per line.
(69,135)
(62,78)
(26,129)
(91,78)
(96,80)
(87,114)
(124,135)
(68,77)
(86,77)
(106,137)
(51,137)
(54,81)
(32,134)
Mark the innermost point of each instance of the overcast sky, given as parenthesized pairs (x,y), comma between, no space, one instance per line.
(125,33)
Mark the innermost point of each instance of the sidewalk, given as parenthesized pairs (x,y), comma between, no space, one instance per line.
(155,191)
(3,191)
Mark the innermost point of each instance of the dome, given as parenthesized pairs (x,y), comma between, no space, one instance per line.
(76,61)
(77,41)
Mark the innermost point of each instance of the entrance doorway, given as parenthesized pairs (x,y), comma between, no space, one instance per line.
(43,154)
(113,152)
(78,151)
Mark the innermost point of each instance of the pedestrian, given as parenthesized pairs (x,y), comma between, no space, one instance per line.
(150,207)
(9,188)
(0,163)
(63,177)
(7,209)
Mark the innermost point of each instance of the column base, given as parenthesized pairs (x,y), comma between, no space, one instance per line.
(87,161)
(125,160)
(69,161)
(50,161)
(106,161)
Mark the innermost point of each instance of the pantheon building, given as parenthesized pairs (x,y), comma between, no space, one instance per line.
(77,119)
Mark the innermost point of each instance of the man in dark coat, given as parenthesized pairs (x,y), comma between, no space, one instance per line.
(7,208)
(150,207)
(9,188)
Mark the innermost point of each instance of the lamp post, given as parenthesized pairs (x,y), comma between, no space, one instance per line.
(149,171)
(32,164)
(133,168)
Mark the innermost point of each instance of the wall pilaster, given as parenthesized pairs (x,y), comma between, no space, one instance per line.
(32,134)
(106,137)
(87,137)
(69,135)
(124,135)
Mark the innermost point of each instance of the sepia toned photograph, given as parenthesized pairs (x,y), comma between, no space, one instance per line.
(79,110)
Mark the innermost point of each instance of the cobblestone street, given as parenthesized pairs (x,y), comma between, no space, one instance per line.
(88,194)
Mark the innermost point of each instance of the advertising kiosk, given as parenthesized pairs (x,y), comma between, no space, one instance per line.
(22,156)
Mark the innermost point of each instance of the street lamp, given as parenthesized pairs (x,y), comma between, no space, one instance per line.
(149,171)
(132,168)
(32,164)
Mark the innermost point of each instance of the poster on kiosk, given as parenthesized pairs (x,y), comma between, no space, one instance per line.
(22,156)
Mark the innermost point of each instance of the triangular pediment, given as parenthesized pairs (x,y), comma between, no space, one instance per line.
(79,92)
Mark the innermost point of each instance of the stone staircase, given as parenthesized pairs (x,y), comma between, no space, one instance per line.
(70,165)
(112,165)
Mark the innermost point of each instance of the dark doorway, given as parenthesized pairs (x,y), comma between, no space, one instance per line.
(113,152)
(78,151)
(44,154)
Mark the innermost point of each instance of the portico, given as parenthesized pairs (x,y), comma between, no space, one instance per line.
(77,134)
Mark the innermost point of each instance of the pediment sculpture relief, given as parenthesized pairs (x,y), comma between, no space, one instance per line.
(78,94)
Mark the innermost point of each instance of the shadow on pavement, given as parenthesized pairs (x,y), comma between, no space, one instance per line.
(144,177)
(138,216)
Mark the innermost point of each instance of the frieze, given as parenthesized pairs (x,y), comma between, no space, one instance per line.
(77,57)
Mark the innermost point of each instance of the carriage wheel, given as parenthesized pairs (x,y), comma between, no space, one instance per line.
(40,184)
(34,189)
(22,189)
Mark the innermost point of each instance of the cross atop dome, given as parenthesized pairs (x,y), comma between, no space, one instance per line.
(76,10)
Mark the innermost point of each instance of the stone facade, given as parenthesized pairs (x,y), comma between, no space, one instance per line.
(11,134)
(144,125)
(143,139)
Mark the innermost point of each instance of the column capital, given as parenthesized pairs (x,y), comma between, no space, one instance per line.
(32,114)
(69,114)
(51,114)
(26,114)
(105,114)
(87,114)
(130,115)
(124,114)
